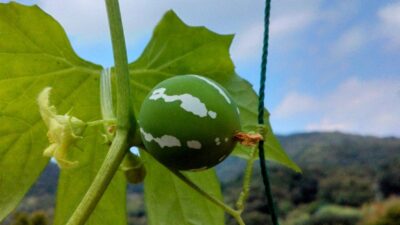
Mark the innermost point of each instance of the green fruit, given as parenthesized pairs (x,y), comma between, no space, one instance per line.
(188,123)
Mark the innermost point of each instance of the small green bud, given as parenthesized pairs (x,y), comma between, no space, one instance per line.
(133,168)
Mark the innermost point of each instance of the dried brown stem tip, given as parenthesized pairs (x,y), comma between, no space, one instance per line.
(248,139)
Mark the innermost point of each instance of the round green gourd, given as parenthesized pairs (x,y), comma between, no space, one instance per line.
(188,123)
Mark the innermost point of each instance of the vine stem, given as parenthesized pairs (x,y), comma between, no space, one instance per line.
(234,213)
(119,146)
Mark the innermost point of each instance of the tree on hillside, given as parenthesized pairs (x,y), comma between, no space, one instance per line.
(389,180)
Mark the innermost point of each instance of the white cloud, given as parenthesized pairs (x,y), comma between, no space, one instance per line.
(360,106)
(295,104)
(328,125)
(340,12)
(249,43)
(389,26)
(386,30)
(86,21)
(350,42)
(292,22)
(288,18)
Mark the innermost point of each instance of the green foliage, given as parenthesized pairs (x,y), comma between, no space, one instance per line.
(335,215)
(382,213)
(319,147)
(285,184)
(389,178)
(327,215)
(302,214)
(35,218)
(170,201)
(256,218)
(391,217)
(178,49)
(172,51)
(35,52)
(334,149)
(39,218)
(346,189)
(303,188)
(20,219)
(297,217)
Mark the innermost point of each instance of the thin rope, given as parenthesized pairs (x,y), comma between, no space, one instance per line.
(261,94)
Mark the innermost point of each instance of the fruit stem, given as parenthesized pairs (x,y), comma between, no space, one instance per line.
(119,146)
(234,213)
(244,194)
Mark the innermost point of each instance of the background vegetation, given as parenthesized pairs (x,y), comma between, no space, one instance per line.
(347,179)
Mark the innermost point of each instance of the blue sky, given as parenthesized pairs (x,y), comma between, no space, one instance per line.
(333,65)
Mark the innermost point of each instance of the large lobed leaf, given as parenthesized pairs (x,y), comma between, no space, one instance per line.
(35,53)
(170,201)
(178,49)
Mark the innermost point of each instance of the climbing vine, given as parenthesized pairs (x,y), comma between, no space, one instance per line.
(75,122)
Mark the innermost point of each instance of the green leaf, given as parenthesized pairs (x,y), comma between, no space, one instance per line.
(170,201)
(246,98)
(177,49)
(35,53)
(73,184)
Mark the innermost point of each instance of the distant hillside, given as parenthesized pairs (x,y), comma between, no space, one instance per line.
(338,168)
(340,149)
(327,151)
(309,150)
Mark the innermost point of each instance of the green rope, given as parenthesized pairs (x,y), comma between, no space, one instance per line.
(264,171)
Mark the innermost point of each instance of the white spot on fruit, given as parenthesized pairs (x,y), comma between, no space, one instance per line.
(212,114)
(194,144)
(163,141)
(238,110)
(222,92)
(199,169)
(222,158)
(188,102)
(217,141)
